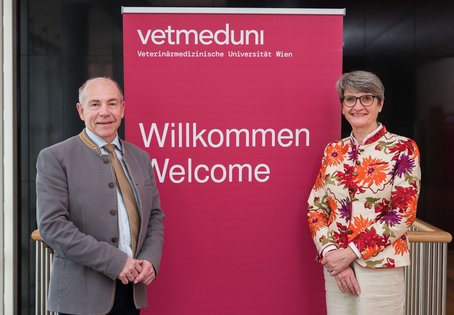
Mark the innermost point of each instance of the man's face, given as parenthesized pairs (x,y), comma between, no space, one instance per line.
(102,108)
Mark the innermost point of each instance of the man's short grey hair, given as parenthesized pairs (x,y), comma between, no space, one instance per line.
(82,88)
(360,81)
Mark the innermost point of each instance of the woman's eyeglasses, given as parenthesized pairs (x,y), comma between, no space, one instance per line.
(365,100)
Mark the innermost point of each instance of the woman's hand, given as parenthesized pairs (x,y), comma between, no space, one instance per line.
(347,283)
(338,260)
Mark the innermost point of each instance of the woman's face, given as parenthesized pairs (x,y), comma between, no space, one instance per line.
(360,116)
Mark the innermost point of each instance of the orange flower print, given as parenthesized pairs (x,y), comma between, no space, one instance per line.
(320,181)
(333,207)
(336,154)
(400,246)
(416,153)
(372,171)
(370,251)
(360,223)
(316,222)
(410,214)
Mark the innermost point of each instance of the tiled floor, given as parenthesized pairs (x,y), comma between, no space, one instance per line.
(450,284)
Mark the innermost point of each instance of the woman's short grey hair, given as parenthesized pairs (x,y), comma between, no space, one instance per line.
(82,88)
(360,81)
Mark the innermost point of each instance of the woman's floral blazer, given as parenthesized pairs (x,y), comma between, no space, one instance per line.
(367,195)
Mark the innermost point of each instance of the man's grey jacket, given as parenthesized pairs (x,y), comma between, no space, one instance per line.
(77,217)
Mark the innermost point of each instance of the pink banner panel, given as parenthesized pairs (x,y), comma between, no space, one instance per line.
(234,110)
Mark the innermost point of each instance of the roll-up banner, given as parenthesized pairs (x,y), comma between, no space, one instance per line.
(235,107)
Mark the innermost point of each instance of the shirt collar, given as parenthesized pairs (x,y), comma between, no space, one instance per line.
(100,142)
(369,136)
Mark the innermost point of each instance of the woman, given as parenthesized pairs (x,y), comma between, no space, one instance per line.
(362,203)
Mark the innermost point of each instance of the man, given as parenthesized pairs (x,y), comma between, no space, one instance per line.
(99,212)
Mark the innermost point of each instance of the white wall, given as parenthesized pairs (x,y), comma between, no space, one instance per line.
(8,261)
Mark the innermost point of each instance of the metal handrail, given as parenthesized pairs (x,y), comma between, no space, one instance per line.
(425,278)
(36,236)
(420,232)
(44,257)
(423,232)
